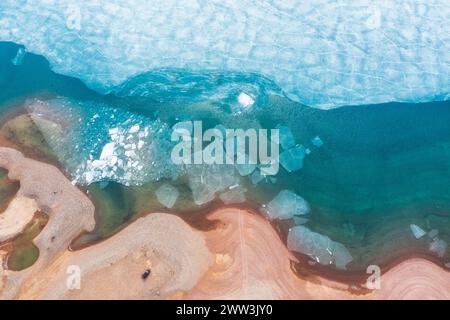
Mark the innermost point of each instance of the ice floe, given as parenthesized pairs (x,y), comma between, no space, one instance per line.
(234,194)
(167,195)
(417,231)
(316,141)
(123,155)
(286,137)
(286,205)
(207,181)
(433,233)
(439,247)
(119,146)
(245,100)
(321,53)
(256,177)
(292,159)
(247,167)
(320,248)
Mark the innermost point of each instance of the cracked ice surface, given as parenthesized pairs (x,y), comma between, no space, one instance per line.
(119,145)
(322,53)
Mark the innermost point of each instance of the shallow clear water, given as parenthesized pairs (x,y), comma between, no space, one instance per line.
(380,169)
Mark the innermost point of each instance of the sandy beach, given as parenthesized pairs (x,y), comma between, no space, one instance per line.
(176,254)
(243,258)
(15,218)
(252,263)
(112,269)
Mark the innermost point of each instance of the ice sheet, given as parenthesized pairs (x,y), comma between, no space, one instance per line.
(323,53)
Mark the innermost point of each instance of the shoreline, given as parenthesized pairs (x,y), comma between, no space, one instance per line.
(199,220)
(250,231)
(344,277)
(70,213)
(331,274)
(262,256)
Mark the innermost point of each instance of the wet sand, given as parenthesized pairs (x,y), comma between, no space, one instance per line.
(70,212)
(243,258)
(163,243)
(175,253)
(251,262)
(15,218)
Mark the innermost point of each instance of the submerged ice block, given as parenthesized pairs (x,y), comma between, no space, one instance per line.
(206,181)
(286,205)
(167,195)
(319,247)
(235,194)
(292,159)
(438,246)
(286,137)
(316,141)
(417,231)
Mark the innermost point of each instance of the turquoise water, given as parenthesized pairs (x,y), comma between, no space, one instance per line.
(380,169)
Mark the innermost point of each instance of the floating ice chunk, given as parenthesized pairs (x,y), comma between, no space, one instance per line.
(98,163)
(167,195)
(257,177)
(245,100)
(130,153)
(319,247)
(206,181)
(113,131)
(134,129)
(342,256)
(107,151)
(89,177)
(292,159)
(286,205)
(316,141)
(433,233)
(286,137)
(246,168)
(234,195)
(17,60)
(438,246)
(417,231)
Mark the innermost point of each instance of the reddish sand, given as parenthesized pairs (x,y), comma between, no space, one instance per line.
(253,263)
(112,269)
